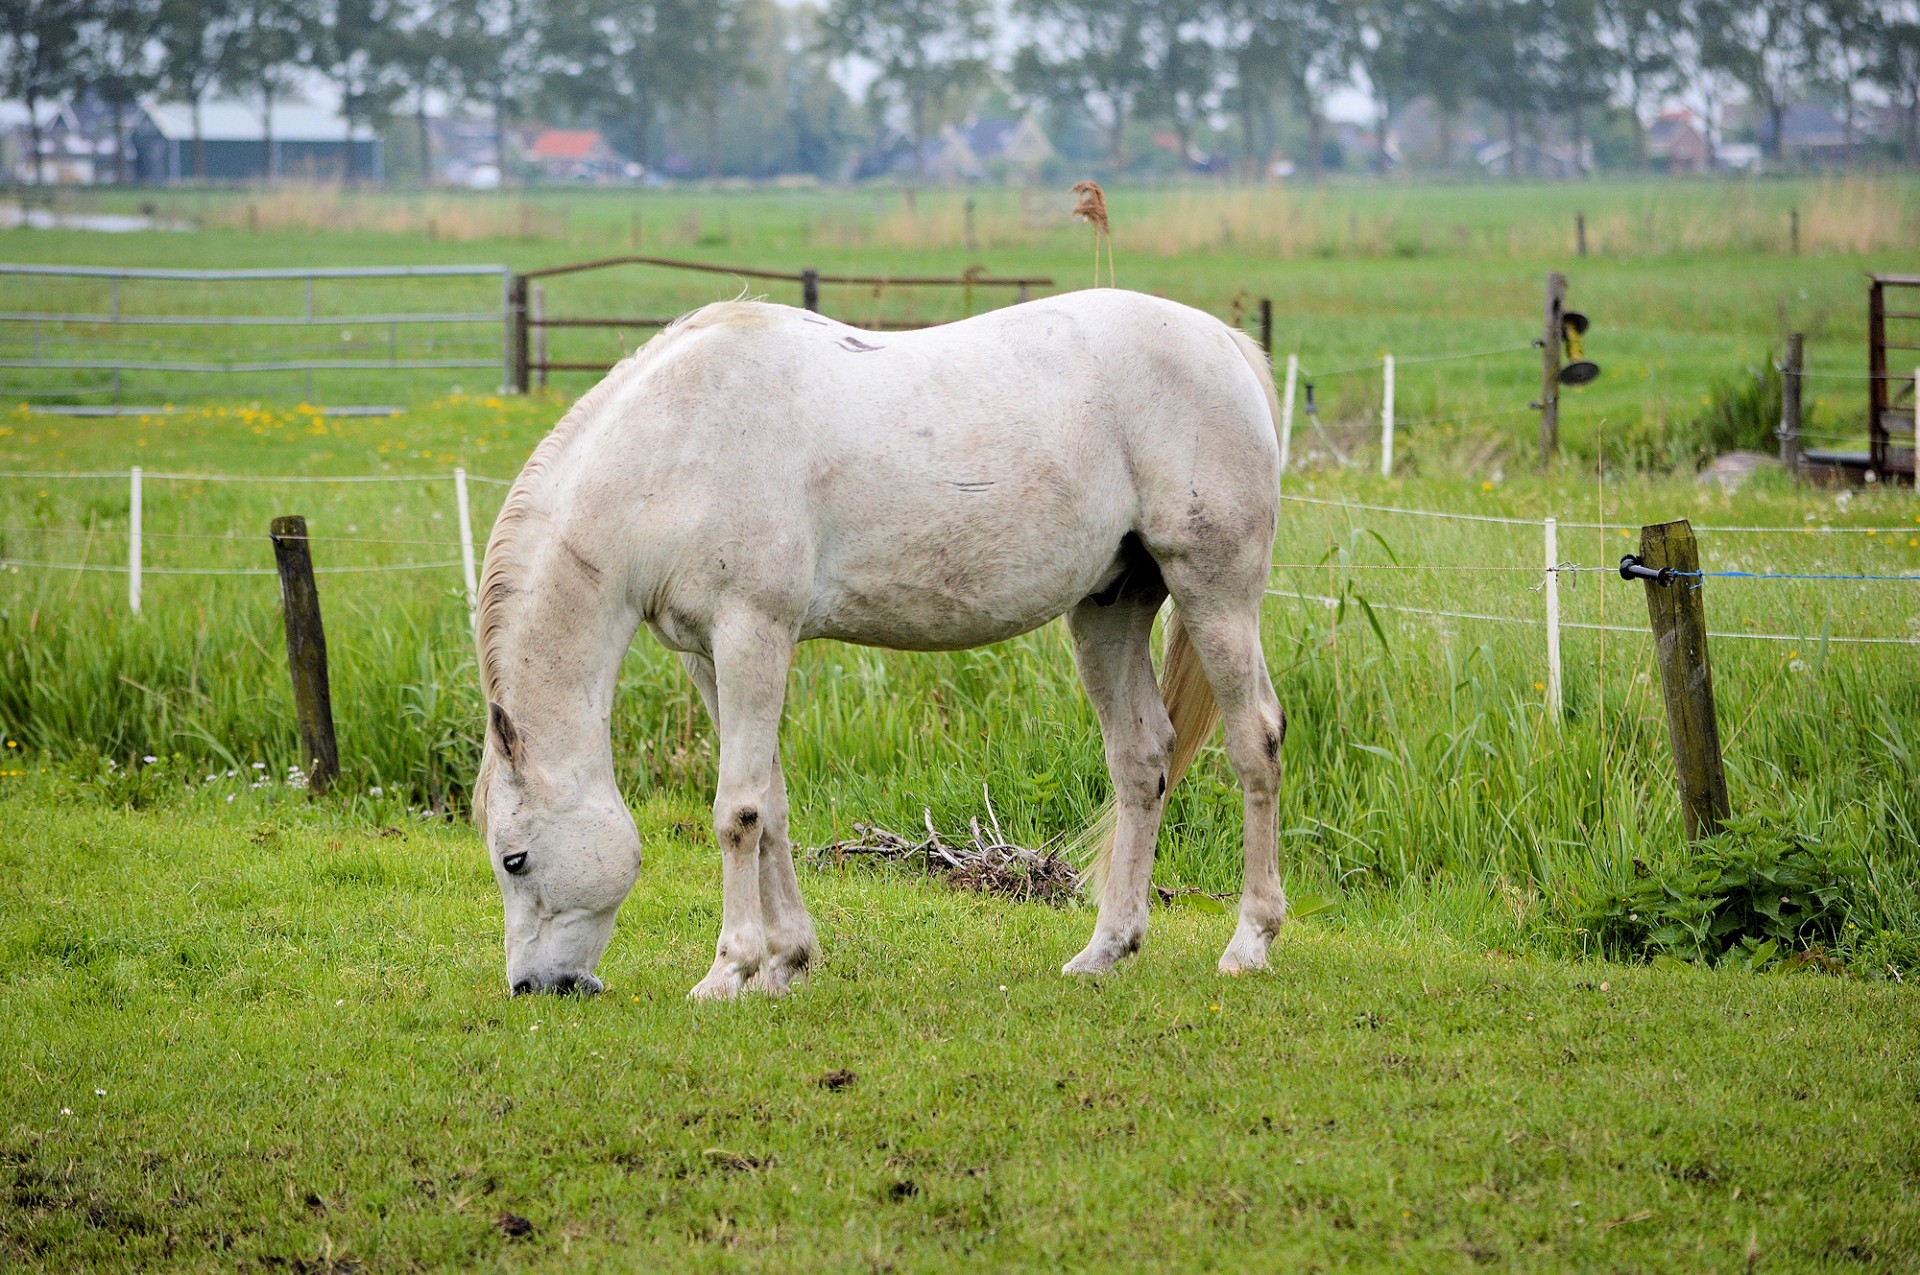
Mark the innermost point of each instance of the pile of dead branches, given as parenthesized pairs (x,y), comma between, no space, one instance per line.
(986,865)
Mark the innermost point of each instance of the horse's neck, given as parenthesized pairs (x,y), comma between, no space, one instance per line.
(556,660)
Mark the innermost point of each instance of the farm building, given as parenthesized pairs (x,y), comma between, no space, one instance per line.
(1677,144)
(67,154)
(238,143)
(578,155)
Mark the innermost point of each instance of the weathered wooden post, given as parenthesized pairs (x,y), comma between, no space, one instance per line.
(1550,337)
(537,320)
(1266,326)
(810,289)
(306,652)
(1580,234)
(517,314)
(1669,562)
(1790,401)
(1793,231)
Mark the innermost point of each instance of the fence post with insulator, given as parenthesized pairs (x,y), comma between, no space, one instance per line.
(1669,563)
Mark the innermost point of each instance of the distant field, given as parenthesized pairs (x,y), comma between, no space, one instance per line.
(1688,284)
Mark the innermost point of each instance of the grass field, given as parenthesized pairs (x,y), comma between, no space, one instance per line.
(1482,1046)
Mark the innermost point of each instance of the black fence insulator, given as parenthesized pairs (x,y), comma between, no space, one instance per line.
(1631,568)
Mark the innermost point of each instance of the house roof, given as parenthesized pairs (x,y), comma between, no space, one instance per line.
(567,143)
(1669,128)
(225,120)
(1808,124)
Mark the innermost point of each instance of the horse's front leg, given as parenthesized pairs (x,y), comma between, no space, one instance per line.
(750,658)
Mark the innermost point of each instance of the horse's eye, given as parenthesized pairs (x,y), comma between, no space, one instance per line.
(515,864)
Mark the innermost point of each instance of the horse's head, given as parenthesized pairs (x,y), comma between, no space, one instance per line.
(565,852)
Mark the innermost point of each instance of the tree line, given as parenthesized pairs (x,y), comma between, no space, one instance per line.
(1236,72)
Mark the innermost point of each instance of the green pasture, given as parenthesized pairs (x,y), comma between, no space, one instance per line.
(1520,1023)
(272,1036)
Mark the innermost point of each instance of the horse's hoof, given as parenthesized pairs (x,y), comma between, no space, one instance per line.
(778,977)
(1245,955)
(1099,958)
(720,985)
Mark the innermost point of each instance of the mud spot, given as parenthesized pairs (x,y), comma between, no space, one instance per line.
(835,1081)
(513,1226)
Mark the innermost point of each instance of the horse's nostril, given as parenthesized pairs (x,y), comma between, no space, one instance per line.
(524,986)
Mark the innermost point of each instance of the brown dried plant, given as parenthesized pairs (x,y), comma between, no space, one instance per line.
(1093,208)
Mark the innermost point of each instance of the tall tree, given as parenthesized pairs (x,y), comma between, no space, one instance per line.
(1767,46)
(193,36)
(499,53)
(119,65)
(1640,37)
(421,62)
(1504,61)
(357,44)
(263,54)
(708,43)
(610,58)
(1896,70)
(40,45)
(920,51)
(1090,49)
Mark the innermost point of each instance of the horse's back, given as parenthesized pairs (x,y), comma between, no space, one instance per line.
(957,485)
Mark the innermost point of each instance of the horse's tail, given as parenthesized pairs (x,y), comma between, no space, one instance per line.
(1183,683)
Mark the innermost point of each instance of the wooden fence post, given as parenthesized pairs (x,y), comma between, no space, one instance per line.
(1679,620)
(517,311)
(536,319)
(1556,304)
(1790,401)
(1580,234)
(810,289)
(1266,326)
(1793,231)
(306,652)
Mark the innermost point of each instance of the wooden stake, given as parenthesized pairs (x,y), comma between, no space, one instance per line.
(1580,233)
(1790,402)
(536,319)
(1679,620)
(1266,326)
(810,287)
(306,652)
(1556,304)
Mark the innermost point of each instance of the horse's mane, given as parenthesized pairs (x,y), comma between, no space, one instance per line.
(505,561)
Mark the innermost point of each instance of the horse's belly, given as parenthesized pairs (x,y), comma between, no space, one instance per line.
(933,593)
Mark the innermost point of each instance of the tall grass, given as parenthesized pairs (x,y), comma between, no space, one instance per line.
(1419,757)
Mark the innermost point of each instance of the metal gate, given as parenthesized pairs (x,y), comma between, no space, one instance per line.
(76,324)
(530,322)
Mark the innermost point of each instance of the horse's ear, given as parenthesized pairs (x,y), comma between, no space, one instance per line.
(503,733)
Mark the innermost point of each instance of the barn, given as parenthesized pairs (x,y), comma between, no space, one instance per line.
(236,144)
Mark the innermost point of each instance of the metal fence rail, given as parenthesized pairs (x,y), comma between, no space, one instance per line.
(37,339)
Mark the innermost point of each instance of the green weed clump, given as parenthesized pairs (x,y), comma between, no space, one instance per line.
(1759,891)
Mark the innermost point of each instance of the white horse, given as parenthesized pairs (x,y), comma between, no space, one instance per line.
(756,476)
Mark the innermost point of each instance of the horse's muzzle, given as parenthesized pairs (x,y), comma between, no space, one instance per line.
(561,985)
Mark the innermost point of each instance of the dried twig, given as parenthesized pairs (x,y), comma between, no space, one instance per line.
(987,866)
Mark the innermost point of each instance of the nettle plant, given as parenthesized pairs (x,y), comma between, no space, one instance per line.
(1761,890)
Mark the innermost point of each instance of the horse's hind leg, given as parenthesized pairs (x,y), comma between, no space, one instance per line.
(1226,636)
(1112,646)
(788,928)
